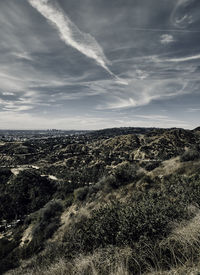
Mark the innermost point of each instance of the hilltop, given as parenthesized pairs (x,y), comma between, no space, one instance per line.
(113,201)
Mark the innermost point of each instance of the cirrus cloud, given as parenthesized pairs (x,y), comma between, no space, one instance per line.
(71,35)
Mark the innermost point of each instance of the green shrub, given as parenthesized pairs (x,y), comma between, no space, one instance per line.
(124,173)
(6,246)
(46,223)
(48,214)
(9,257)
(9,262)
(5,174)
(50,229)
(81,193)
(69,200)
(190,155)
(125,223)
(150,166)
(109,181)
(26,193)
(93,189)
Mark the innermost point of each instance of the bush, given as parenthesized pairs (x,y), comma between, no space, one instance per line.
(190,155)
(109,181)
(9,257)
(48,214)
(6,246)
(81,193)
(5,174)
(50,229)
(46,223)
(150,166)
(125,223)
(124,173)
(26,193)
(69,200)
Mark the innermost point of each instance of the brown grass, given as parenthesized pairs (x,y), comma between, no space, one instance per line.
(100,262)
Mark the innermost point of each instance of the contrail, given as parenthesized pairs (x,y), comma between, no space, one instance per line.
(71,35)
(165,30)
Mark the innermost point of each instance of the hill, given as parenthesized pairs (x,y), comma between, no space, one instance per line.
(114,201)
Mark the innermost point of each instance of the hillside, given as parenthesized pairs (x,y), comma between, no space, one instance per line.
(115,201)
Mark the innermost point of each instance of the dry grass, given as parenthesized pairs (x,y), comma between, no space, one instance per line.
(27,235)
(72,214)
(184,245)
(187,233)
(59,268)
(100,262)
(183,270)
(168,167)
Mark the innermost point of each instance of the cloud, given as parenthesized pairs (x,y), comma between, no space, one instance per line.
(22,55)
(17,105)
(184,59)
(166,39)
(7,94)
(184,13)
(71,35)
(140,74)
(191,110)
(149,90)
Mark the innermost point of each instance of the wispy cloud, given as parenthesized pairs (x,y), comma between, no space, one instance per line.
(183,59)
(22,55)
(166,39)
(191,110)
(140,74)
(71,35)
(164,119)
(179,17)
(150,90)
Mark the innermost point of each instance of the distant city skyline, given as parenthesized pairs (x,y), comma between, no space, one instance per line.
(94,64)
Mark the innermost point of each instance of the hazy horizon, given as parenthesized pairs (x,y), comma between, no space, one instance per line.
(100,129)
(96,64)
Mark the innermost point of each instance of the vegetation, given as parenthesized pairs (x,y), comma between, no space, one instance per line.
(25,193)
(190,155)
(107,202)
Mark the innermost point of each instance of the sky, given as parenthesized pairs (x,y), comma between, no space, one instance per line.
(93,64)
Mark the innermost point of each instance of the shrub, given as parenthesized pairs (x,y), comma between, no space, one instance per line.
(5,174)
(48,214)
(150,166)
(9,257)
(124,173)
(190,155)
(26,193)
(81,193)
(50,229)
(109,181)
(125,223)
(69,200)
(46,223)
(93,189)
